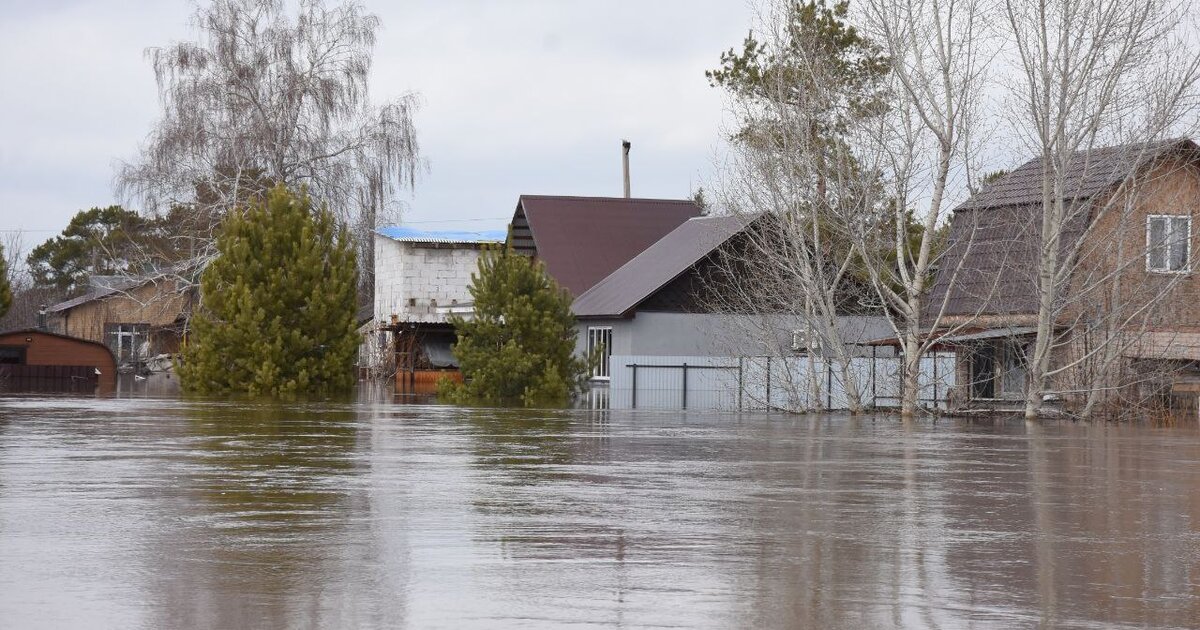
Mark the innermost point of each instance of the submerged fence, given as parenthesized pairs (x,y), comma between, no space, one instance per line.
(798,383)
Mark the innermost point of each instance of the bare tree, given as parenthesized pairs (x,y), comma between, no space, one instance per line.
(264,97)
(1092,73)
(803,77)
(922,149)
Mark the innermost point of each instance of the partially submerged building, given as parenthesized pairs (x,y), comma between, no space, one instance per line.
(137,318)
(42,361)
(1128,320)
(421,279)
(665,336)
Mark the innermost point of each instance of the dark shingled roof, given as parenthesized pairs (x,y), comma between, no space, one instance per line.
(1088,173)
(999,229)
(583,239)
(657,266)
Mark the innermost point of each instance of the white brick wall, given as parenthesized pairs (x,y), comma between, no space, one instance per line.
(428,275)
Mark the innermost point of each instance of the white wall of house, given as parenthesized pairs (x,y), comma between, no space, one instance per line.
(414,280)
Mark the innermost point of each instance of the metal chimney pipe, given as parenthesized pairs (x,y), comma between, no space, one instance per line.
(41,318)
(625,164)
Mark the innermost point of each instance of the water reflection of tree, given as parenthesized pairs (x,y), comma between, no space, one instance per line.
(269,487)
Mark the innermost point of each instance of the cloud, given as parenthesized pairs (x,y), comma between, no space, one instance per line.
(518,97)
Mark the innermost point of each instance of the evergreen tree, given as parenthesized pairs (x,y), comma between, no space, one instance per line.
(5,285)
(518,348)
(278,304)
(100,241)
(823,64)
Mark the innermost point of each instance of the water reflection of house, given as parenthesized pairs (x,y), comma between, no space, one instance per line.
(1136,205)
(421,279)
(137,318)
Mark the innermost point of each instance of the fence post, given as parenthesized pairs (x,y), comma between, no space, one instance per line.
(935,380)
(634,391)
(685,366)
(828,386)
(768,382)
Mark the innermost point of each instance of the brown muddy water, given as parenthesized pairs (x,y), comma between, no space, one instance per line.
(170,514)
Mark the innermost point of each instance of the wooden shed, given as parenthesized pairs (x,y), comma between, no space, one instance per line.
(40,361)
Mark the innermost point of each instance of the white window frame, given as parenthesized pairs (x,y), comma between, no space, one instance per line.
(1187,259)
(127,339)
(597,335)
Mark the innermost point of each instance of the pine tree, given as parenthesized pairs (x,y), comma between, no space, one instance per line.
(518,347)
(278,304)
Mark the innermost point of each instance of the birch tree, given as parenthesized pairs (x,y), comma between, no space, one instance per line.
(264,97)
(922,149)
(1090,73)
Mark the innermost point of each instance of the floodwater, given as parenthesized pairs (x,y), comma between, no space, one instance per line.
(172,514)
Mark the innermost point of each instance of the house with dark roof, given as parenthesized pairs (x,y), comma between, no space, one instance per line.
(581,240)
(1131,297)
(661,304)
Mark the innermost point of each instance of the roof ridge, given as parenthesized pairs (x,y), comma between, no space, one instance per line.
(1091,171)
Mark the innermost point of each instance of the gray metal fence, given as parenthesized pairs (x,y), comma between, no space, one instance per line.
(796,383)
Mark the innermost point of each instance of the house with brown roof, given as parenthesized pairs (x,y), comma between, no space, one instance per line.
(583,239)
(1129,310)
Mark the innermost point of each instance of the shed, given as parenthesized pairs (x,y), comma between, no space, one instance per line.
(37,360)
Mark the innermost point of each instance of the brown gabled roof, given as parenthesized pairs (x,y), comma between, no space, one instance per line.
(998,230)
(583,239)
(1088,173)
(662,262)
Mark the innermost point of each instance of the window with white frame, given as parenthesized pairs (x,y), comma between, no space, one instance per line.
(600,341)
(1168,243)
(129,343)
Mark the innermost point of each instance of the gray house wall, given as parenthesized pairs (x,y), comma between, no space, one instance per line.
(708,361)
(717,335)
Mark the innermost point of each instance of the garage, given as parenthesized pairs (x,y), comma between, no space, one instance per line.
(45,362)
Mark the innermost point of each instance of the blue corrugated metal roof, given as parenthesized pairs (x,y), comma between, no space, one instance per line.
(413,235)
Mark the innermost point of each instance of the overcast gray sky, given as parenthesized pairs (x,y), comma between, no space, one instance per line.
(519,97)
